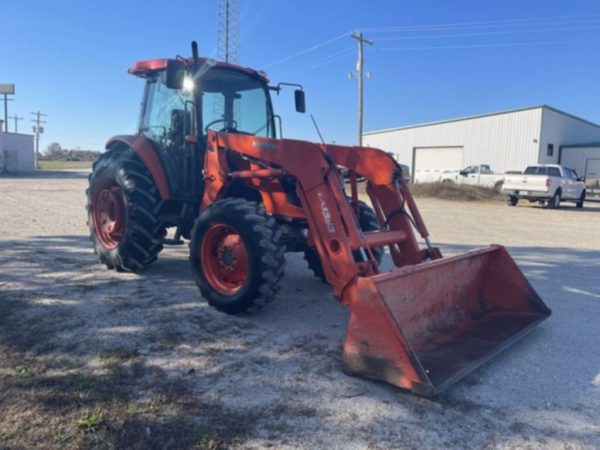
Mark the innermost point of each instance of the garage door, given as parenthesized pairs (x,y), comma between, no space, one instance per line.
(430,162)
(592,171)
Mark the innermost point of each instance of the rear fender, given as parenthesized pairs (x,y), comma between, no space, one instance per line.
(147,152)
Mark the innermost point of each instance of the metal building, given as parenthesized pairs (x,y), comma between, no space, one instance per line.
(585,158)
(507,140)
(16,152)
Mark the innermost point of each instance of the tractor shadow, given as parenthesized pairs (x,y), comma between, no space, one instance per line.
(151,354)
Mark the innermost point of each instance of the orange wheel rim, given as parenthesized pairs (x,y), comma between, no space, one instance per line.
(108,213)
(224,259)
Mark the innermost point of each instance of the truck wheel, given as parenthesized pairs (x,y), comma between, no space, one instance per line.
(236,255)
(367,220)
(121,206)
(554,202)
(511,200)
(579,204)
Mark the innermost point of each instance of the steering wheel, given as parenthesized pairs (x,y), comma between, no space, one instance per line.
(210,124)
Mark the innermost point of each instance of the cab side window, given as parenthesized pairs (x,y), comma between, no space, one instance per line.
(165,118)
(570,173)
(553,172)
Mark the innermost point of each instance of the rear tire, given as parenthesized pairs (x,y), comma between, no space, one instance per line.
(554,202)
(368,221)
(237,256)
(579,204)
(511,200)
(122,200)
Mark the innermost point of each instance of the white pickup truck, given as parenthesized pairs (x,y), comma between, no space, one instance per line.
(481,175)
(545,183)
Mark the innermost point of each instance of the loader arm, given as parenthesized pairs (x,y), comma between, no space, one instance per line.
(332,223)
(426,323)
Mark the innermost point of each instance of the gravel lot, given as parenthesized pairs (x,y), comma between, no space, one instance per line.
(94,358)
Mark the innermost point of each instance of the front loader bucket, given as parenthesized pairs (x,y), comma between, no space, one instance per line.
(426,326)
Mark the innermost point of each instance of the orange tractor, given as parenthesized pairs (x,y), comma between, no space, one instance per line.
(208,160)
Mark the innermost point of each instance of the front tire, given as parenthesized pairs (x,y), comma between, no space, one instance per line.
(579,204)
(121,203)
(237,256)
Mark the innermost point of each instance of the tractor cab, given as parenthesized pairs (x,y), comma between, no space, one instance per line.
(181,104)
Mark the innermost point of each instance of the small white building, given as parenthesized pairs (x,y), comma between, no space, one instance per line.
(507,140)
(16,152)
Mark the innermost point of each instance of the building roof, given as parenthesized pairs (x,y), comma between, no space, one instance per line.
(10,133)
(479,116)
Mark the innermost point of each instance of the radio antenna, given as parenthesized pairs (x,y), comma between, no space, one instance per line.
(317,128)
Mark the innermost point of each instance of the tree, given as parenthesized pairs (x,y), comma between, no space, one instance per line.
(54,151)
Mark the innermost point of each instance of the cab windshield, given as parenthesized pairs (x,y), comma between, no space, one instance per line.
(235,102)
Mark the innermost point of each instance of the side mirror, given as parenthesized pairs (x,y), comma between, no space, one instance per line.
(300,101)
(580,178)
(175,74)
(463,173)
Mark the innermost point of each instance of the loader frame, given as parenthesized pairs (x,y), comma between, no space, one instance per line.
(332,222)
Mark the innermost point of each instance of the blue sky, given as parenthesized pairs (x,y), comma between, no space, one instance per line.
(431,59)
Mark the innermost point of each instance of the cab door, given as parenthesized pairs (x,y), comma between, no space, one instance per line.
(470,175)
(167,118)
(571,186)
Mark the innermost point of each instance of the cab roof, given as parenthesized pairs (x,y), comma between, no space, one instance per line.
(145,68)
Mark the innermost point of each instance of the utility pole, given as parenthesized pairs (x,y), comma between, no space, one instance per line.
(38,130)
(6,89)
(5,112)
(359,74)
(6,100)
(16,118)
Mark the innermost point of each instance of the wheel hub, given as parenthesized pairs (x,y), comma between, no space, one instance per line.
(108,213)
(224,259)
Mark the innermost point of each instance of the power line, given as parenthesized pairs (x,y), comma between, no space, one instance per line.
(307,50)
(312,66)
(506,44)
(546,21)
(491,33)
(321,61)
(556,20)
(567,22)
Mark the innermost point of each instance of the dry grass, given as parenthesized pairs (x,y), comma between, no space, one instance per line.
(444,191)
(65,165)
(452,191)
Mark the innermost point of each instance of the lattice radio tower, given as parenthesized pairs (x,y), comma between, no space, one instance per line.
(228,47)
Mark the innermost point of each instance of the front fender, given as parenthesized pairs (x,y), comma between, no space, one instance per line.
(147,152)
